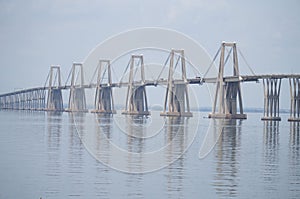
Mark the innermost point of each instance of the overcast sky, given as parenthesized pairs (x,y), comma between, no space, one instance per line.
(36,34)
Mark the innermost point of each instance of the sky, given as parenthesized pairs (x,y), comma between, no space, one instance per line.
(35,34)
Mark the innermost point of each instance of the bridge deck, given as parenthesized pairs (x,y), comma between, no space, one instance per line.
(249,78)
(197,80)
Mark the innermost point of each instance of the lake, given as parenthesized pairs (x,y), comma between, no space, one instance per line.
(63,155)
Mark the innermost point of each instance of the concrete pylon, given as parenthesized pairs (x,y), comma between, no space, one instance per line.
(77,101)
(177,97)
(104,102)
(295,99)
(225,101)
(54,99)
(136,99)
(271,99)
(2,102)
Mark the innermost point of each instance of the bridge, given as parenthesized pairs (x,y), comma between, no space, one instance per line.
(227,101)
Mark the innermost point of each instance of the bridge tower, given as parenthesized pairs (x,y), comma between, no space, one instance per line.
(177,98)
(225,101)
(295,99)
(136,99)
(77,101)
(104,102)
(54,99)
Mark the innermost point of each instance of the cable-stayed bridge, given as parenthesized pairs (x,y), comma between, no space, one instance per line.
(227,103)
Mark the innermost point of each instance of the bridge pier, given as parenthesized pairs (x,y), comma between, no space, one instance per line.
(136,99)
(41,100)
(227,93)
(271,99)
(7,102)
(77,101)
(177,98)
(295,99)
(104,102)
(54,99)
(19,96)
(11,102)
(2,102)
(15,100)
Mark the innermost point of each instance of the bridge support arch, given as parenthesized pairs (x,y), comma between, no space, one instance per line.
(177,98)
(77,100)
(136,99)
(271,99)
(227,93)
(104,102)
(54,99)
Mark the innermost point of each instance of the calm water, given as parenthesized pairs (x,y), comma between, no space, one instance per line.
(42,155)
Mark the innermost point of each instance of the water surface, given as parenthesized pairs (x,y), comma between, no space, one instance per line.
(42,155)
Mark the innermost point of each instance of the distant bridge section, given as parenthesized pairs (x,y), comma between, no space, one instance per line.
(27,99)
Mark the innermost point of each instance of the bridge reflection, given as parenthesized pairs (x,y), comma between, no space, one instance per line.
(137,144)
(227,157)
(294,164)
(54,167)
(270,156)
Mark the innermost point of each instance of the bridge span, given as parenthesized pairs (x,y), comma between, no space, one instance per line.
(227,102)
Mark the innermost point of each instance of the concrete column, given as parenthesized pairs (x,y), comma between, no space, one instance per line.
(6,101)
(40,100)
(295,99)
(1,102)
(22,96)
(271,99)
